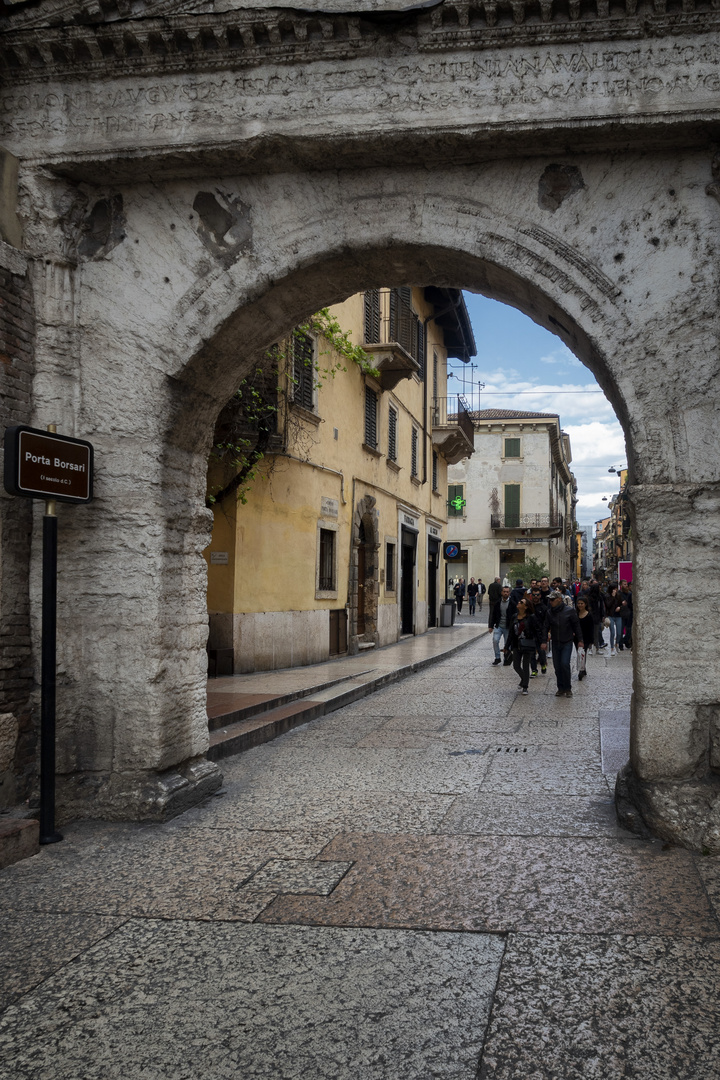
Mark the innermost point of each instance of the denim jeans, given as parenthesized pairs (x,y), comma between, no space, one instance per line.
(616,631)
(499,632)
(471,605)
(561,656)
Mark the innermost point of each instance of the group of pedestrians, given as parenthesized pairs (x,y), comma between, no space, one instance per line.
(550,619)
(475,592)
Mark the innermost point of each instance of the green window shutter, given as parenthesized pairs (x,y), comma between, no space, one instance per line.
(455,491)
(372,316)
(512,448)
(512,506)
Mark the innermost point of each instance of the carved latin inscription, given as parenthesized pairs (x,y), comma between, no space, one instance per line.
(492,86)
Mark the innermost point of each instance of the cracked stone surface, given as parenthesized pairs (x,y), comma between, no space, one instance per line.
(392,892)
(223,1001)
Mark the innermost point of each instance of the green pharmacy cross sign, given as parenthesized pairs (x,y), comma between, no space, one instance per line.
(457,503)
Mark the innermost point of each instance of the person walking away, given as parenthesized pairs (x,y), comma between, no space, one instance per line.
(494,593)
(501,623)
(540,605)
(459,591)
(587,627)
(563,630)
(596,607)
(626,614)
(472,592)
(612,602)
(525,640)
(481,593)
(518,592)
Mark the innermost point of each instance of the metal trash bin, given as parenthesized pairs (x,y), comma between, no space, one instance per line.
(447,613)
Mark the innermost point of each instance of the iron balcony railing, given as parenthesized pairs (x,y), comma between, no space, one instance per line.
(451,411)
(526,521)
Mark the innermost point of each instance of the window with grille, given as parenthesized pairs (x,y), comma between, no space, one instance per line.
(414,453)
(456,500)
(326,570)
(435,472)
(372,317)
(512,506)
(370,418)
(392,433)
(389,568)
(512,448)
(303,354)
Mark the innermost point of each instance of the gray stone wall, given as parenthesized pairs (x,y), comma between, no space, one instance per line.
(18,734)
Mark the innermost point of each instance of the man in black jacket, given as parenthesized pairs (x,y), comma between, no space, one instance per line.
(494,591)
(563,625)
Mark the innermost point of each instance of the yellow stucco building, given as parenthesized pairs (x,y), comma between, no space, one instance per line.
(338,547)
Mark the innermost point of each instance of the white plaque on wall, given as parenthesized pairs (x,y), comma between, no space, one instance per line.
(329,507)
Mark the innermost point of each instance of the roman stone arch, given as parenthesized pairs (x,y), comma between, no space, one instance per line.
(364,578)
(221,177)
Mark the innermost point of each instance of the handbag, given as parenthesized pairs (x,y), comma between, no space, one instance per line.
(606,622)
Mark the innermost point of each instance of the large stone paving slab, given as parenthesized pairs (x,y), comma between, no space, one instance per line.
(186,1000)
(289,810)
(531,815)
(605,1008)
(160,872)
(550,771)
(35,944)
(505,883)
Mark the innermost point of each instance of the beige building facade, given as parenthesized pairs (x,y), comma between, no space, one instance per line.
(516,497)
(338,547)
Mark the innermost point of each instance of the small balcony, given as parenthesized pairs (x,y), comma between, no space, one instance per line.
(453,434)
(393,362)
(528,524)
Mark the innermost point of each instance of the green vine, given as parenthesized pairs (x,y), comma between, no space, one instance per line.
(246,424)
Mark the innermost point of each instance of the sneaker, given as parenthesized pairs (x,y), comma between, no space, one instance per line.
(525,691)
(568,693)
(496,662)
(613,653)
(581,675)
(544,669)
(559,693)
(533,674)
(620,648)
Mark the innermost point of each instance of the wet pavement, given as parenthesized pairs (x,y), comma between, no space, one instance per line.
(427,883)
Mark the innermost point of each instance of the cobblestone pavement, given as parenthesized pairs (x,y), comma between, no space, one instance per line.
(429,883)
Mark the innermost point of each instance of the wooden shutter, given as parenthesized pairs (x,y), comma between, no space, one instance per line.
(414,453)
(372,317)
(392,434)
(455,491)
(304,370)
(434,471)
(512,506)
(370,417)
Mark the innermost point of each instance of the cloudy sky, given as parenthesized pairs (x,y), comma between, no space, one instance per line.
(525,367)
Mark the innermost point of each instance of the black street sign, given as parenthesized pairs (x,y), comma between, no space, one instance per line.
(43,465)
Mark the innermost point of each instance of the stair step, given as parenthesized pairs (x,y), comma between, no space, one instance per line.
(233,738)
(19,839)
(230,708)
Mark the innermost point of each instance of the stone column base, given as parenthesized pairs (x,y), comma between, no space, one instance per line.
(136,796)
(683,812)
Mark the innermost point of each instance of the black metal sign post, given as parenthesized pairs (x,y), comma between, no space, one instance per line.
(45,465)
(48,834)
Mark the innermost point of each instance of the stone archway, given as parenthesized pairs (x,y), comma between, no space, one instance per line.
(364,579)
(358,159)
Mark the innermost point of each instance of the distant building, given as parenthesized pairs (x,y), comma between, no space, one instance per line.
(515,498)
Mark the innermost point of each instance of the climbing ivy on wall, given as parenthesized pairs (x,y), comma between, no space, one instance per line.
(247,423)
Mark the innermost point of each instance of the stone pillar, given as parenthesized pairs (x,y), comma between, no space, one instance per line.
(672,786)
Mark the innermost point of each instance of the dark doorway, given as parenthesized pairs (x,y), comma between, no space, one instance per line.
(433,559)
(361,583)
(407,600)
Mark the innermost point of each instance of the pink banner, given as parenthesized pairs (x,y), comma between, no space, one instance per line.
(625,572)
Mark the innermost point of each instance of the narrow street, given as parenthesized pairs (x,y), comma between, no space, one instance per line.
(429,882)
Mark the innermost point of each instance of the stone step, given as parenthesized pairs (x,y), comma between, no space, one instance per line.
(19,839)
(225,709)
